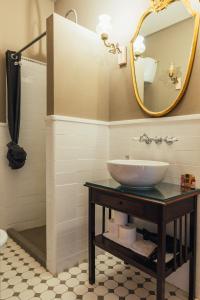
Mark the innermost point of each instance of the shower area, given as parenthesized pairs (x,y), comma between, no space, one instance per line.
(28,226)
(46,203)
(26,213)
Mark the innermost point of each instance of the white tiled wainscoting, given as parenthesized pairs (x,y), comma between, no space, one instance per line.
(77,152)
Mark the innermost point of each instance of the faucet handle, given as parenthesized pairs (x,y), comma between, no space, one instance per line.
(170,140)
(158,140)
(146,139)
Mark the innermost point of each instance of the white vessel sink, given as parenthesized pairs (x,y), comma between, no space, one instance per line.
(137,173)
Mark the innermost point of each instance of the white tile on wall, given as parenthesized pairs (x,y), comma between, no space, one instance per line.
(78,154)
(183,155)
(24,191)
(50,196)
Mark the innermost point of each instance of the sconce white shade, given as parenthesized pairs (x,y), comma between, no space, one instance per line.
(104,26)
(139,45)
(150,68)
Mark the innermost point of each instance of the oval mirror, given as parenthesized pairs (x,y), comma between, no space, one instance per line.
(162,55)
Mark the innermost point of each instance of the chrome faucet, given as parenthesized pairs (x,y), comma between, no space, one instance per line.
(158,140)
(146,139)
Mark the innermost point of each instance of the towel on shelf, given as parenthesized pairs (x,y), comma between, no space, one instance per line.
(144,248)
(168,257)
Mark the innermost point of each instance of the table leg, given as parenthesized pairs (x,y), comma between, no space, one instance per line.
(161,261)
(193,232)
(91,239)
(103,219)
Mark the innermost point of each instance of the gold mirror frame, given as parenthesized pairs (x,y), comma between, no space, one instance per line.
(156,6)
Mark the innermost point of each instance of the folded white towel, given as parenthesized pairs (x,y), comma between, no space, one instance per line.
(144,248)
(168,257)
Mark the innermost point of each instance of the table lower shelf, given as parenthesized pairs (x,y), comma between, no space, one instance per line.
(132,258)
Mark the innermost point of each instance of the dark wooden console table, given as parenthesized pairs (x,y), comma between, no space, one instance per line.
(162,205)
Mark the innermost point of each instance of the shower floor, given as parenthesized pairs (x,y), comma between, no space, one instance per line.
(33,241)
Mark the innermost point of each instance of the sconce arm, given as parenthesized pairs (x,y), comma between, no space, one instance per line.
(114,48)
(173,78)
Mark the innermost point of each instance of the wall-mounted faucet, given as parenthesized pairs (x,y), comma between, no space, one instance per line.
(158,140)
(146,139)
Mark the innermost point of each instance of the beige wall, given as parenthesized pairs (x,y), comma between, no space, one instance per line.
(78,76)
(125,15)
(20,22)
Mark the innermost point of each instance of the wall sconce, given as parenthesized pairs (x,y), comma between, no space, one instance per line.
(139,47)
(104,29)
(172,74)
(175,78)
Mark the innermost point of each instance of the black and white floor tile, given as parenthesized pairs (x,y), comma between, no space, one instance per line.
(22,278)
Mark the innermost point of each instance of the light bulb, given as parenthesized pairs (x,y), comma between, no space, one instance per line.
(104,26)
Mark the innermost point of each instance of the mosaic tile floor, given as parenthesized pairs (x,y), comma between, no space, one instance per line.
(22,278)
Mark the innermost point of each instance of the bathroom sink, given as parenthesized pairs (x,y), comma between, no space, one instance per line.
(137,173)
